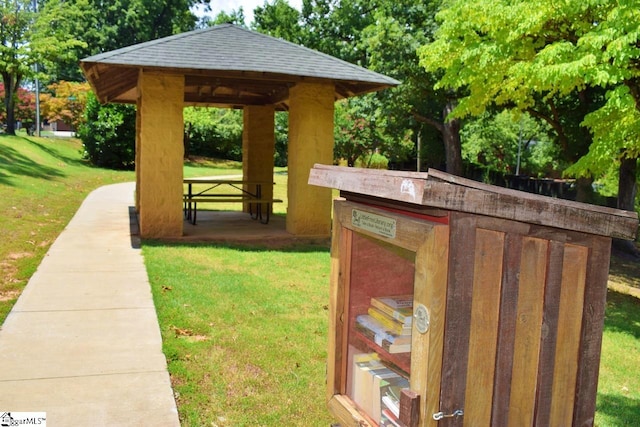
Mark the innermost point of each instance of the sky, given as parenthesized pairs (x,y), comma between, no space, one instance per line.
(218,6)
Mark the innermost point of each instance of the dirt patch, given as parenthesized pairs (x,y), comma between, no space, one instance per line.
(9,295)
(624,275)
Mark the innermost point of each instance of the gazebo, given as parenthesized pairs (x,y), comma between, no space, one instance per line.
(231,67)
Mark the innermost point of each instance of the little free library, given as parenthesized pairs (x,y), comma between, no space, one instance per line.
(455,303)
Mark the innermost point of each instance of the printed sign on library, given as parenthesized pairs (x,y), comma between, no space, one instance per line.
(378,224)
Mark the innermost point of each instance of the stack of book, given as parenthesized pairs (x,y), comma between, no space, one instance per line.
(388,322)
(376,389)
(390,389)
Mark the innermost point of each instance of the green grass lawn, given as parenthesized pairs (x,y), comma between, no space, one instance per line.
(244,328)
(42,184)
(244,332)
(618,401)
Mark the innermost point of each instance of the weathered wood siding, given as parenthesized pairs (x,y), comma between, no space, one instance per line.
(525,312)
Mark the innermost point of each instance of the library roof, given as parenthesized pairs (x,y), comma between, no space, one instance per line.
(442,192)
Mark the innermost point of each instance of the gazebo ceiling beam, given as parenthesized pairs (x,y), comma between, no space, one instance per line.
(111,82)
(240,84)
(115,83)
(239,99)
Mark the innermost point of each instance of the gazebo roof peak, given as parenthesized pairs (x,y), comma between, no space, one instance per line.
(244,67)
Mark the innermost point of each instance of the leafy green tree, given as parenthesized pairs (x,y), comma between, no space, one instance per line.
(524,55)
(360,132)
(391,41)
(235,17)
(105,25)
(279,19)
(509,144)
(16,59)
(213,132)
(282,138)
(335,26)
(27,40)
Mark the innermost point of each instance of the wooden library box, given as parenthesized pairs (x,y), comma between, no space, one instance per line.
(456,303)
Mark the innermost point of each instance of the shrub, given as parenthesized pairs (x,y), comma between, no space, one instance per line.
(372,161)
(109,134)
(213,132)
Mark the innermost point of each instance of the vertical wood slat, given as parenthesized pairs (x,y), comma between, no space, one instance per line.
(528,331)
(506,330)
(595,297)
(549,334)
(483,338)
(458,316)
(344,281)
(432,263)
(335,303)
(568,342)
(338,303)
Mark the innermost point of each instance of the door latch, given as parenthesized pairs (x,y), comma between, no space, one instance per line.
(440,415)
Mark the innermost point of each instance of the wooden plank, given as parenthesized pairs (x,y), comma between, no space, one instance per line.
(571,302)
(551,308)
(528,331)
(410,232)
(459,195)
(397,206)
(395,186)
(432,261)
(409,408)
(483,337)
(340,244)
(535,211)
(346,413)
(595,297)
(458,318)
(342,303)
(465,182)
(507,329)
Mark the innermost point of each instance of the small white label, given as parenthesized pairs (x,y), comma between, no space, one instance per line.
(378,224)
(408,188)
(422,319)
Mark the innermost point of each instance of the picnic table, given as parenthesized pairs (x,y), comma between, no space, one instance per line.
(213,190)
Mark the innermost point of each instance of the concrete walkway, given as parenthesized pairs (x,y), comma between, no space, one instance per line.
(82,343)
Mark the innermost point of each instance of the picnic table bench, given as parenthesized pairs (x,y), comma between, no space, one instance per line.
(227,191)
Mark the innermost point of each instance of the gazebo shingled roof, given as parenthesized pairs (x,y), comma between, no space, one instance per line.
(227,66)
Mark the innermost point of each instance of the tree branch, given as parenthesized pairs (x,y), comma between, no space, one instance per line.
(554,122)
(428,120)
(634,88)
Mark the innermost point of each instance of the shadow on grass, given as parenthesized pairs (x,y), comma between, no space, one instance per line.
(285,247)
(12,162)
(56,155)
(620,410)
(623,314)
(204,162)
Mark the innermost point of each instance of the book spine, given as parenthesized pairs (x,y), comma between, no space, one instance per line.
(402,314)
(389,323)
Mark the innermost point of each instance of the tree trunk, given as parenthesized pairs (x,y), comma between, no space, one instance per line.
(584,190)
(450,130)
(627,188)
(627,185)
(9,102)
(452,144)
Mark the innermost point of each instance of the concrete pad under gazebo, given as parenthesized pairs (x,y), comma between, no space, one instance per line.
(230,67)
